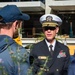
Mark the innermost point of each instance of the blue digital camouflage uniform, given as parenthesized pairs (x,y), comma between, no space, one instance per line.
(14,59)
(71,70)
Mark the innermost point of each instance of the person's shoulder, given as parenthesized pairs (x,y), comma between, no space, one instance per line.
(17,46)
(62,45)
(39,43)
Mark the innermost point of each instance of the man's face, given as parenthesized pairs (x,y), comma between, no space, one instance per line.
(50,32)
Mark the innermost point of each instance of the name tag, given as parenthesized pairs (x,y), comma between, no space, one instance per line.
(42,57)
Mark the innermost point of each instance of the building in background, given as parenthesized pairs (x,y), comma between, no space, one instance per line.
(35,8)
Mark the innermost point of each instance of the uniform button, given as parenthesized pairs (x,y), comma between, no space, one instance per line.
(47,69)
(57,69)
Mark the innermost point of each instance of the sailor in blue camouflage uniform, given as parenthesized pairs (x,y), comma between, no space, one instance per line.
(49,56)
(14,59)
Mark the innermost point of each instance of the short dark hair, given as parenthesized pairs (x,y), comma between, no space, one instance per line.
(6,25)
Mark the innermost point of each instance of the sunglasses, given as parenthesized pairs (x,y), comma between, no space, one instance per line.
(49,28)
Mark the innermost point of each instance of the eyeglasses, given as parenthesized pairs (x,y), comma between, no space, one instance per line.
(49,28)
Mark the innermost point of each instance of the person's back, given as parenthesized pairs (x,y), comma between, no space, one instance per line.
(14,59)
(12,54)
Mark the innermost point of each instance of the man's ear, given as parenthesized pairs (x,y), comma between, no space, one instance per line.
(57,30)
(15,24)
